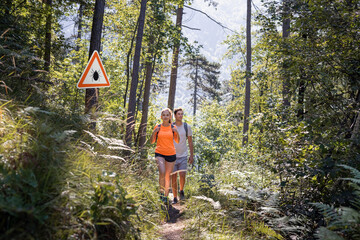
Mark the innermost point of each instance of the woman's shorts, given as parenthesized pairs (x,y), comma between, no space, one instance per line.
(171,158)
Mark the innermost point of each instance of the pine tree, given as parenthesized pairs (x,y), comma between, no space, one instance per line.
(204,78)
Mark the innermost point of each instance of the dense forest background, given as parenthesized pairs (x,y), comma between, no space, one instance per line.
(276,145)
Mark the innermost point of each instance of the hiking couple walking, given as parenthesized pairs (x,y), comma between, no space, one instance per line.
(171,152)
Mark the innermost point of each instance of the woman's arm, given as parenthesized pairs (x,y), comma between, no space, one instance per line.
(176,134)
(154,133)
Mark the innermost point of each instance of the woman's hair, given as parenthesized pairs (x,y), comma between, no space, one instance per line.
(167,109)
(178,109)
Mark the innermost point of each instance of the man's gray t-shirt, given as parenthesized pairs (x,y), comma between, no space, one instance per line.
(181,147)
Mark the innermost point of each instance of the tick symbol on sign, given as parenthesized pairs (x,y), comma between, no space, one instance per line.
(95,75)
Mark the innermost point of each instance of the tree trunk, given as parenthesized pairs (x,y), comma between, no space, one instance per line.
(92,94)
(8,7)
(81,10)
(196,84)
(248,73)
(286,34)
(175,62)
(48,35)
(145,105)
(128,64)
(301,97)
(138,101)
(355,132)
(130,121)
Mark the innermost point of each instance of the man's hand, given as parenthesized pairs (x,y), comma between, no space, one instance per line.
(191,159)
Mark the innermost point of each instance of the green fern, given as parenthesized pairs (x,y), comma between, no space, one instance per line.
(342,222)
(260,227)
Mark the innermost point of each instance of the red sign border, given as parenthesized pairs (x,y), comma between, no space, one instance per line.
(80,84)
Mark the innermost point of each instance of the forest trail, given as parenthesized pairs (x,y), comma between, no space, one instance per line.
(172,229)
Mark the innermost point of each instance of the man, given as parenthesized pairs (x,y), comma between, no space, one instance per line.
(180,167)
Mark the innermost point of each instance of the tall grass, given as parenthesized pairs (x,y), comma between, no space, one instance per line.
(59,181)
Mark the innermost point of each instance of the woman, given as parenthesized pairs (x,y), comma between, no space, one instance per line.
(165,153)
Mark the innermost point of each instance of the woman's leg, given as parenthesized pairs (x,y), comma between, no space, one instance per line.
(168,170)
(174,184)
(161,166)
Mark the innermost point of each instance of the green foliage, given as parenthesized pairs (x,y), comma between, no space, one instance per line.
(342,222)
(51,190)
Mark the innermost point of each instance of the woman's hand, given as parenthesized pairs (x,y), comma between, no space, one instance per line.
(176,135)
(153,138)
(157,129)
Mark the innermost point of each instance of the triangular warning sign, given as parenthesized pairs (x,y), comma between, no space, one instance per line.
(94,75)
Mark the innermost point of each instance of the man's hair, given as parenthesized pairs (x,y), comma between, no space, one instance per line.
(178,109)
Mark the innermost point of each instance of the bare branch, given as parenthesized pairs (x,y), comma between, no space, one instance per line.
(217,22)
(195,29)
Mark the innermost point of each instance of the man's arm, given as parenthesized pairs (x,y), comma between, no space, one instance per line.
(191,146)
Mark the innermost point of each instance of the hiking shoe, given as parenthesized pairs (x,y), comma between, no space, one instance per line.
(162,197)
(175,201)
(182,195)
(165,201)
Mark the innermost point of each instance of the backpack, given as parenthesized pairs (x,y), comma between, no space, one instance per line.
(172,126)
(185,126)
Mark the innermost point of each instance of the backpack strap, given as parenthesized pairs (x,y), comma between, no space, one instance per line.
(159,125)
(186,129)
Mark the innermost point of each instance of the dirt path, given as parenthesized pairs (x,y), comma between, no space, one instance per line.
(173,228)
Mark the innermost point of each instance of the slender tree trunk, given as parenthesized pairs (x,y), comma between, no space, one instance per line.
(128,56)
(145,105)
(130,121)
(356,128)
(8,7)
(286,34)
(355,132)
(139,102)
(301,97)
(79,32)
(248,73)
(47,55)
(175,62)
(92,94)
(196,85)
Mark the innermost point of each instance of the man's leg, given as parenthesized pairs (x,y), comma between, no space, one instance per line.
(182,180)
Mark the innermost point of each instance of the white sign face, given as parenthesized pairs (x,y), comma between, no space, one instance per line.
(94,75)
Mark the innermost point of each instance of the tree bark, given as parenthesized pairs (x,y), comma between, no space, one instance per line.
(301,97)
(285,35)
(47,54)
(8,7)
(128,64)
(79,32)
(248,74)
(175,62)
(196,85)
(130,121)
(92,94)
(145,105)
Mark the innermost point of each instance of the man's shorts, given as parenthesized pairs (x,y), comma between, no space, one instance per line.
(180,165)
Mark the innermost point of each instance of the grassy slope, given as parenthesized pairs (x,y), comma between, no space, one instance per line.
(59,181)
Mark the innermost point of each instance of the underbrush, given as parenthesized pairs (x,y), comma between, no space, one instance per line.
(237,200)
(59,181)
